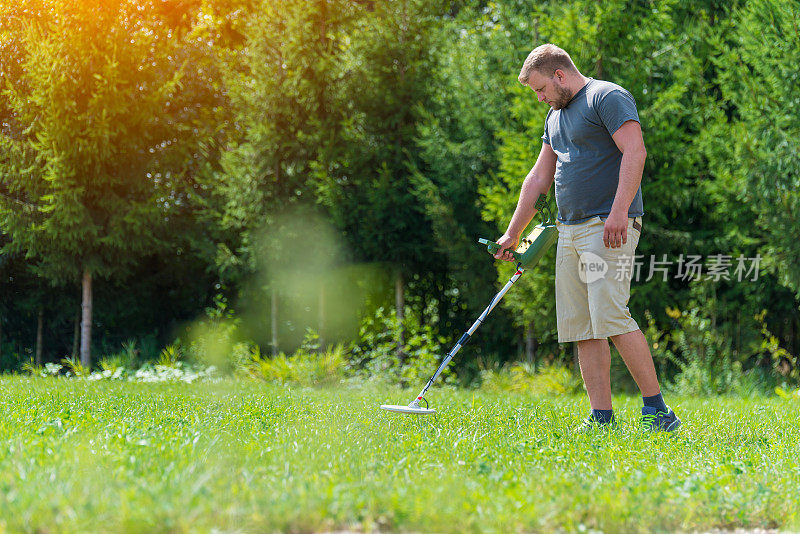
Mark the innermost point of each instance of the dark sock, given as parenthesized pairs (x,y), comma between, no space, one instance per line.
(603,417)
(656,401)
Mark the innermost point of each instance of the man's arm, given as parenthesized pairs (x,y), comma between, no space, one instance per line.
(628,139)
(538,182)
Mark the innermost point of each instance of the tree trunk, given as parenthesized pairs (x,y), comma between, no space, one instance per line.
(274,321)
(39,336)
(530,344)
(575,359)
(322,317)
(76,333)
(713,307)
(400,306)
(323,17)
(86,320)
(598,66)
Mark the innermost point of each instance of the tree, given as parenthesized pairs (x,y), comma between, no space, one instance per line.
(281,84)
(758,168)
(90,159)
(751,145)
(457,137)
(370,189)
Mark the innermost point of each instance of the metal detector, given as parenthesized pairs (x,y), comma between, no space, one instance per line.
(528,253)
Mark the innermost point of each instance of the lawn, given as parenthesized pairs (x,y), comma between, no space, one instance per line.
(237,456)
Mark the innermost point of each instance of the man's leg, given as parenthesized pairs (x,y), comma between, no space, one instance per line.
(635,351)
(594,357)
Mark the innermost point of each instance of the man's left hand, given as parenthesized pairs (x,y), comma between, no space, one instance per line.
(615,233)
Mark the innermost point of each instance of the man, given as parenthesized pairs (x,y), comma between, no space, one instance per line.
(593,149)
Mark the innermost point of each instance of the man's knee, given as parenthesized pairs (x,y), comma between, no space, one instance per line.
(592,342)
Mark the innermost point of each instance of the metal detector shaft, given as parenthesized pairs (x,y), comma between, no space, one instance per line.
(464,338)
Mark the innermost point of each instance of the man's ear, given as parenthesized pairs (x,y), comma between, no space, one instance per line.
(559,75)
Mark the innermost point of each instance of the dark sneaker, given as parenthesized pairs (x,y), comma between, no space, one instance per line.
(590,424)
(655,420)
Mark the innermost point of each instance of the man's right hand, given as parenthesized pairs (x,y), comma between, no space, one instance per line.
(507,245)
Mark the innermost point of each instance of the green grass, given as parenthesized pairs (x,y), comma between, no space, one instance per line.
(84,456)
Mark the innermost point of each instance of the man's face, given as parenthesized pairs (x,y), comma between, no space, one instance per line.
(550,89)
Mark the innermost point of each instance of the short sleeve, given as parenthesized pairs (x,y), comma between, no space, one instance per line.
(615,108)
(546,134)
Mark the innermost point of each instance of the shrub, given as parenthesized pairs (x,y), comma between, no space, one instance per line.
(128,358)
(308,366)
(705,360)
(523,378)
(74,367)
(170,355)
(376,355)
(48,369)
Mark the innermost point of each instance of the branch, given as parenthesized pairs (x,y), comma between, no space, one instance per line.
(18,201)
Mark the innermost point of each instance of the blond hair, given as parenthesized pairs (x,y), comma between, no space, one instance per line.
(546,59)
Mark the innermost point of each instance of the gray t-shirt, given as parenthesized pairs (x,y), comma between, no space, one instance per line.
(587,171)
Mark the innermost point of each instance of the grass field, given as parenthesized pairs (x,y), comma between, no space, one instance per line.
(233,456)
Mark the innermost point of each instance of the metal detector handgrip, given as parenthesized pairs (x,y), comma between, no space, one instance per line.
(493,247)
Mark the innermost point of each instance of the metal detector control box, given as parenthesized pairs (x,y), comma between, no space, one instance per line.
(531,248)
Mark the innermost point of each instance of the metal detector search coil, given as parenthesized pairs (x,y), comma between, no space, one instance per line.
(414,408)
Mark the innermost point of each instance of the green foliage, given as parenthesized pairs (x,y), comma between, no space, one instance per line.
(758,167)
(174,150)
(74,367)
(111,364)
(788,395)
(706,362)
(376,355)
(305,367)
(104,108)
(128,358)
(83,178)
(110,369)
(170,355)
(48,369)
(214,340)
(370,190)
(783,361)
(523,378)
(282,98)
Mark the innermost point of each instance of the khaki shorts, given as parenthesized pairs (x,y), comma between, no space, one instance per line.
(593,283)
